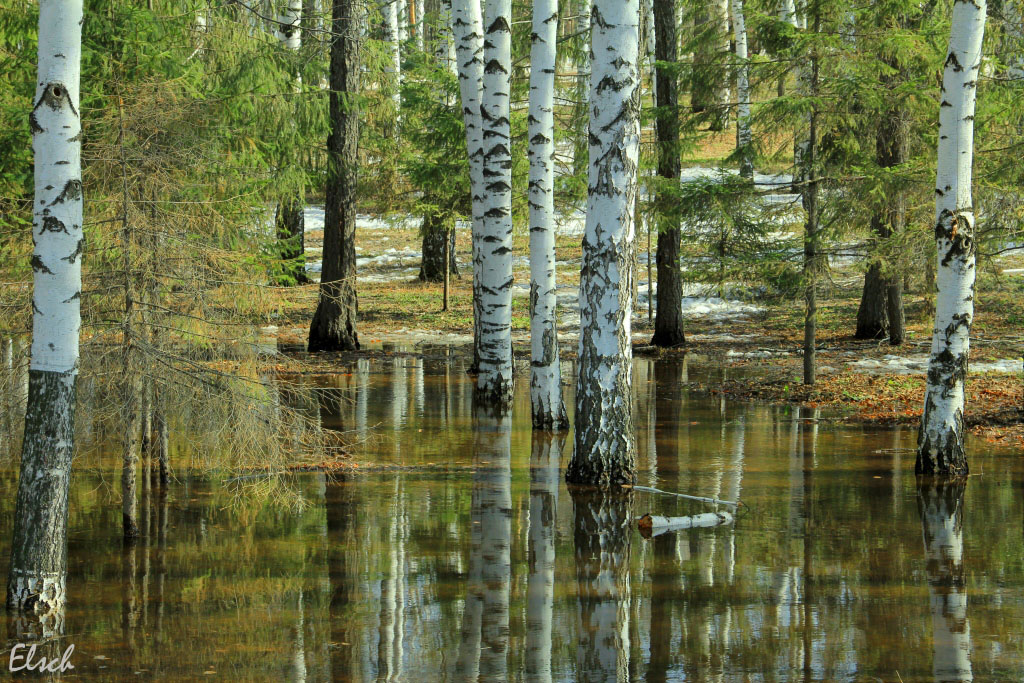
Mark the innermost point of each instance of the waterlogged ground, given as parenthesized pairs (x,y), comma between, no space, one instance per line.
(456,551)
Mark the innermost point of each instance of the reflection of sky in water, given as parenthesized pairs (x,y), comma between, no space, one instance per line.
(839,571)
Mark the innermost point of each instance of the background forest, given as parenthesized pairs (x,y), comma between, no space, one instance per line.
(279,195)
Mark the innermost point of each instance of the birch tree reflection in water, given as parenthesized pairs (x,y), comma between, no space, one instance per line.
(541,582)
(940,504)
(602,521)
(483,651)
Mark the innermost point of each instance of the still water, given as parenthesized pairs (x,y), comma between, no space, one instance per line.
(466,557)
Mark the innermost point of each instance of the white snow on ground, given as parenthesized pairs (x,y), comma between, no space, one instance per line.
(911,365)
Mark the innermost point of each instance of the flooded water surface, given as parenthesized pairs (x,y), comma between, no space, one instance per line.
(466,557)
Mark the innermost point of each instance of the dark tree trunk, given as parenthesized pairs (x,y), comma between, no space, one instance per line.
(291,237)
(812,257)
(334,323)
(668,323)
(432,262)
(872,319)
(881,305)
(343,576)
(39,549)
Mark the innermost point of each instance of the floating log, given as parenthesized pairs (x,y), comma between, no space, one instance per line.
(654,525)
(713,501)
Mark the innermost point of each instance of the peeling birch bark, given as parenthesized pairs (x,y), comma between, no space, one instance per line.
(36,583)
(940,445)
(545,376)
(494,381)
(604,452)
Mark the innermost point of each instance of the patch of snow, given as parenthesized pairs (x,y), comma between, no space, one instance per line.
(918,364)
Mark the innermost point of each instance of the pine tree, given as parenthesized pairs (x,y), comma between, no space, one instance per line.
(334,322)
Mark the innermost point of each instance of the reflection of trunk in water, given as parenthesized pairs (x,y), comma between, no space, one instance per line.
(484,637)
(541,582)
(494,478)
(940,504)
(343,573)
(392,595)
(602,531)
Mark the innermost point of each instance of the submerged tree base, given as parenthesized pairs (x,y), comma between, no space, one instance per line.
(39,549)
(942,454)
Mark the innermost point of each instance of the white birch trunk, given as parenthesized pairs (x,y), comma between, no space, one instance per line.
(546,375)
(941,439)
(288,30)
(420,37)
(393,40)
(494,381)
(444,48)
(402,12)
(39,548)
(787,12)
(651,43)
(468,33)
(604,444)
(744,138)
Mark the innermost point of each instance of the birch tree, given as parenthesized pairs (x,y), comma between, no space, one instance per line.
(334,322)
(744,140)
(546,375)
(467,30)
(392,37)
(494,381)
(290,223)
(668,322)
(604,452)
(36,583)
(940,444)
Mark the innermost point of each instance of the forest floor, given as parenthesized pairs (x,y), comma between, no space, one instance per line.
(759,341)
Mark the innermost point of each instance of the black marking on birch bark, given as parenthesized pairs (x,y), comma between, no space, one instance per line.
(62,163)
(72,190)
(540,139)
(500,186)
(76,295)
(499,24)
(597,18)
(76,137)
(497,212)
(944,103)
(73,256)
(947,370)
(952,60)
(38,266)
(35,309)
(53,224)
(494,67)
(33,124)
